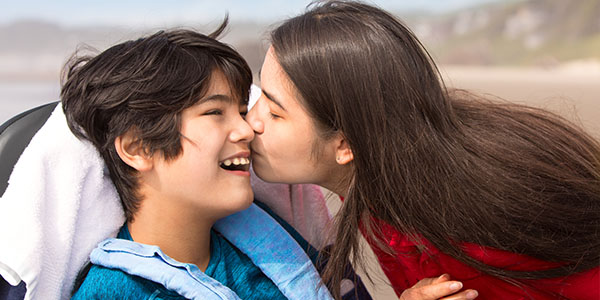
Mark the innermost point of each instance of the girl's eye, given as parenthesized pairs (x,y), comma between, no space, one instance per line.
(217,112)
(274,116)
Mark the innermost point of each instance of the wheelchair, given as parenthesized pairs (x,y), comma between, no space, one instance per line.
(15,135)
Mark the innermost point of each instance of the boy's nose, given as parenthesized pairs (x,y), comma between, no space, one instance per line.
(242,132)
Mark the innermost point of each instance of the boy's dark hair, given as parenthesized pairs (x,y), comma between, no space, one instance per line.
(143,85)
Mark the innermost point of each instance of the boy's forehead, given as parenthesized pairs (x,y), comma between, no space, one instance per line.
(218,98)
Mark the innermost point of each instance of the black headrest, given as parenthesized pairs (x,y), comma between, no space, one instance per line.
(15,135)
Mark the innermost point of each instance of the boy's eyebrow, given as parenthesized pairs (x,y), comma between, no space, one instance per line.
(273,100)
(216,97)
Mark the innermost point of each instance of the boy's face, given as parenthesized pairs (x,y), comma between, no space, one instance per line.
(211,174)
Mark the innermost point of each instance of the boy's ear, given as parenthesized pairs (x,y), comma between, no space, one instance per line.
(343,153)
(132,152)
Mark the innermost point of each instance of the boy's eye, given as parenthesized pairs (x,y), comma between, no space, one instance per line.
(243,114)
(214,112)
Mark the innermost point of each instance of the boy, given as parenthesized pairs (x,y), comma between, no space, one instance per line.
(166,112)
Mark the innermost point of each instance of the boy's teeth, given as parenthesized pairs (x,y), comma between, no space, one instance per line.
(236,161)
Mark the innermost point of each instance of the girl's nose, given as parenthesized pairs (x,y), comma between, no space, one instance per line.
(253,117)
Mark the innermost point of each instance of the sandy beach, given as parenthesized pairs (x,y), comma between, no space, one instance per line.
(571,91)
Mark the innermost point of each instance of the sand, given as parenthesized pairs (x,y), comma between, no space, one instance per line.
(572,91)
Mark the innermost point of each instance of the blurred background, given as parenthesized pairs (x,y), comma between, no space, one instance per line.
(544,53)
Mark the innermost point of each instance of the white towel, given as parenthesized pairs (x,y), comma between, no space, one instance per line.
(58,206)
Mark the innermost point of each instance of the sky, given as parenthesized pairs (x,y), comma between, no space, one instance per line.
(154,12)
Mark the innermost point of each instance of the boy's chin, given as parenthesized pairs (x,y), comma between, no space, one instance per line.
(242,201)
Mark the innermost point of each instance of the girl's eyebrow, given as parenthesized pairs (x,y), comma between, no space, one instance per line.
(272,99)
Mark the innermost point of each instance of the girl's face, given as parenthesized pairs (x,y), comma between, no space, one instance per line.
(211,175)
(287,147)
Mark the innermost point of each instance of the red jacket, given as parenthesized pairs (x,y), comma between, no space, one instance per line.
(404,270)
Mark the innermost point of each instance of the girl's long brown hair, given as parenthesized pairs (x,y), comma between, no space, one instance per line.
(447,166)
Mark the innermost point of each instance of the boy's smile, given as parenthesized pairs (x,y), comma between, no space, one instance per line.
(238,164)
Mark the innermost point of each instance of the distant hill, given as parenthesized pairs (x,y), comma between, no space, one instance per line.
(510,32)
(532,32)
(38,49)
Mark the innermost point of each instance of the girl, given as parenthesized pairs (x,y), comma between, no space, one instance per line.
(503,197)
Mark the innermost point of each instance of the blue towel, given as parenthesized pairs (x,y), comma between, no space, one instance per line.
(252,231)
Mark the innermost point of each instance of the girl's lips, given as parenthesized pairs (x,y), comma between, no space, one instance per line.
(253,152)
